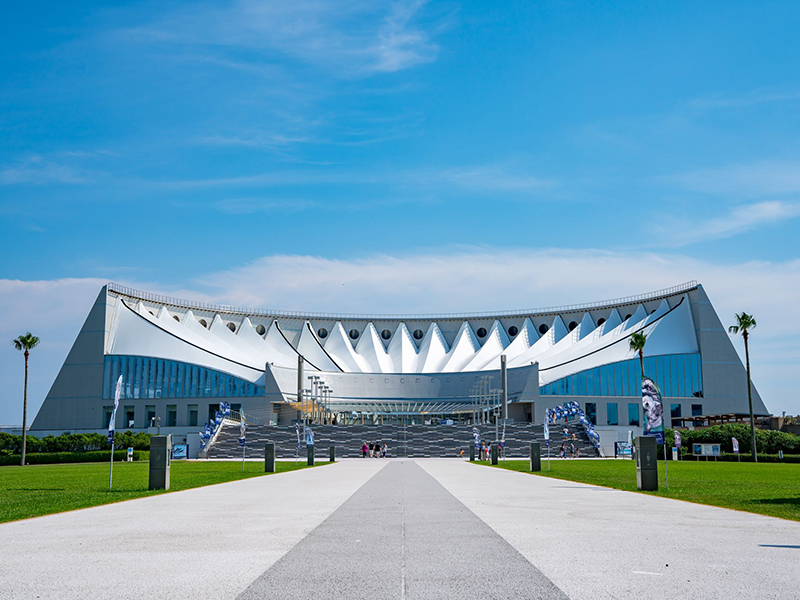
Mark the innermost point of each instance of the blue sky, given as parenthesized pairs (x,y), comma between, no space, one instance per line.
(522,154)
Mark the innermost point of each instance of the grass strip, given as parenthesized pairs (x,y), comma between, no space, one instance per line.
(38,490)
(768,489)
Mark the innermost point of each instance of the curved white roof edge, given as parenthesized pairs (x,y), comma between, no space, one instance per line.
(552,310)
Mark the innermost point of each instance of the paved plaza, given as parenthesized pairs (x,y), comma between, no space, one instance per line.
(375,529)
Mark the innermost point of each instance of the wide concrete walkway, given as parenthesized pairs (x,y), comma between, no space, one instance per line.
(401,529)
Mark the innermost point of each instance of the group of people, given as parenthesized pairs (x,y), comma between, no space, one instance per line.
(573,451)
(374,449)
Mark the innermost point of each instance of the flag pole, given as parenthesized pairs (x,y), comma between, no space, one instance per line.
(112,426)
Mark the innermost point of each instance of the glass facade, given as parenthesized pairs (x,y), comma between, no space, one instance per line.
(158,378)
(633,413)
(612,413)
(677,375)
(591,412)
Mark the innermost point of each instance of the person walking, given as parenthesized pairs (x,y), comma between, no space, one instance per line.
(364,449)
(384,450)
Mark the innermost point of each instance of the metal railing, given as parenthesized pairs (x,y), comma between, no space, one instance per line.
(289,314)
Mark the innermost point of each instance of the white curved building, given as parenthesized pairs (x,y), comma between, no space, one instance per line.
(179,359)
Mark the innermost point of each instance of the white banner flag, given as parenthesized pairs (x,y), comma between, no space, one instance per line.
(735,443)
(112,423)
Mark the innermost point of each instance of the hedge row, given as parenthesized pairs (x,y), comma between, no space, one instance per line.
(767,441)
(49,458)
(72,442)
(731,457)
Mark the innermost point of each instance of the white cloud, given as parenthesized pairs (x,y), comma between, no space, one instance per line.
(448,280)
(756,180)
(350,36)
(738,220)
(40,170)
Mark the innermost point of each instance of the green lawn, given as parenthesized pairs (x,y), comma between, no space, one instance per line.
(766,488)
(38,490)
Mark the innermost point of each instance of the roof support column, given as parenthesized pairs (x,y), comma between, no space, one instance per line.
(504,384)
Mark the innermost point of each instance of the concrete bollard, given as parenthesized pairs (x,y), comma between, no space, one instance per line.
(269,457)
(310,455)
(333,454)
(472,454)
(160,451)
(646,463)
(536,457)
(494,453)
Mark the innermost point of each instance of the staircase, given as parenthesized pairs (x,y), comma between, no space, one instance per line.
(413,441)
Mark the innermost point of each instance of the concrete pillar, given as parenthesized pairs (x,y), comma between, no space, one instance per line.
(160,452)
(536,457)
(472,453)
(300,380)
(495,448)
(269,457)
(333,453)
(310,450)
(646,463)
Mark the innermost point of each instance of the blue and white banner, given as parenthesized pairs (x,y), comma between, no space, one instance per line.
(546,433)
(503,437)
(477,435)
(297,431)
(242,428)
(735,444)
(309,437)
(112,424)
(678,440)
(653,410)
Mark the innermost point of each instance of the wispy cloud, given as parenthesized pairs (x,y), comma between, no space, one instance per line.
(754,180)
(40,171)
(352,36)
(753,98)
(680,232)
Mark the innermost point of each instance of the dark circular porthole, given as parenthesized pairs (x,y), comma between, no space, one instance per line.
(627,317)
(386,334)
(232,327)
(203,322)
(600,322)
(512,331)
(418,334)
(354,334)
(176,318)
(543,329)
(260,329)
(481,332)
(322,333)
(572,325)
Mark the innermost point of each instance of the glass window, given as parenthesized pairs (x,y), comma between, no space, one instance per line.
(211,410)
(107,411)
(675,411)
(697,410)
(612,416)
(591,412)
(172,415)
(149,415)
(633,413)
(130,417)
(191,415)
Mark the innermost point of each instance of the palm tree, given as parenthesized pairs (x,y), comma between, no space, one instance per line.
(744,323)
(637,342)
(27,343)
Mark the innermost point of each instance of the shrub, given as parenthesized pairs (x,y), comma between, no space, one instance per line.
(73,442)
(48,458)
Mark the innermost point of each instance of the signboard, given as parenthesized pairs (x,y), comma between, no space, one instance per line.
(180,451)
(706,450)
(623,449)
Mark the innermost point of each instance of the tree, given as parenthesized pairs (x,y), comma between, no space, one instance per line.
(25,343)
(745,323)
(637,342)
